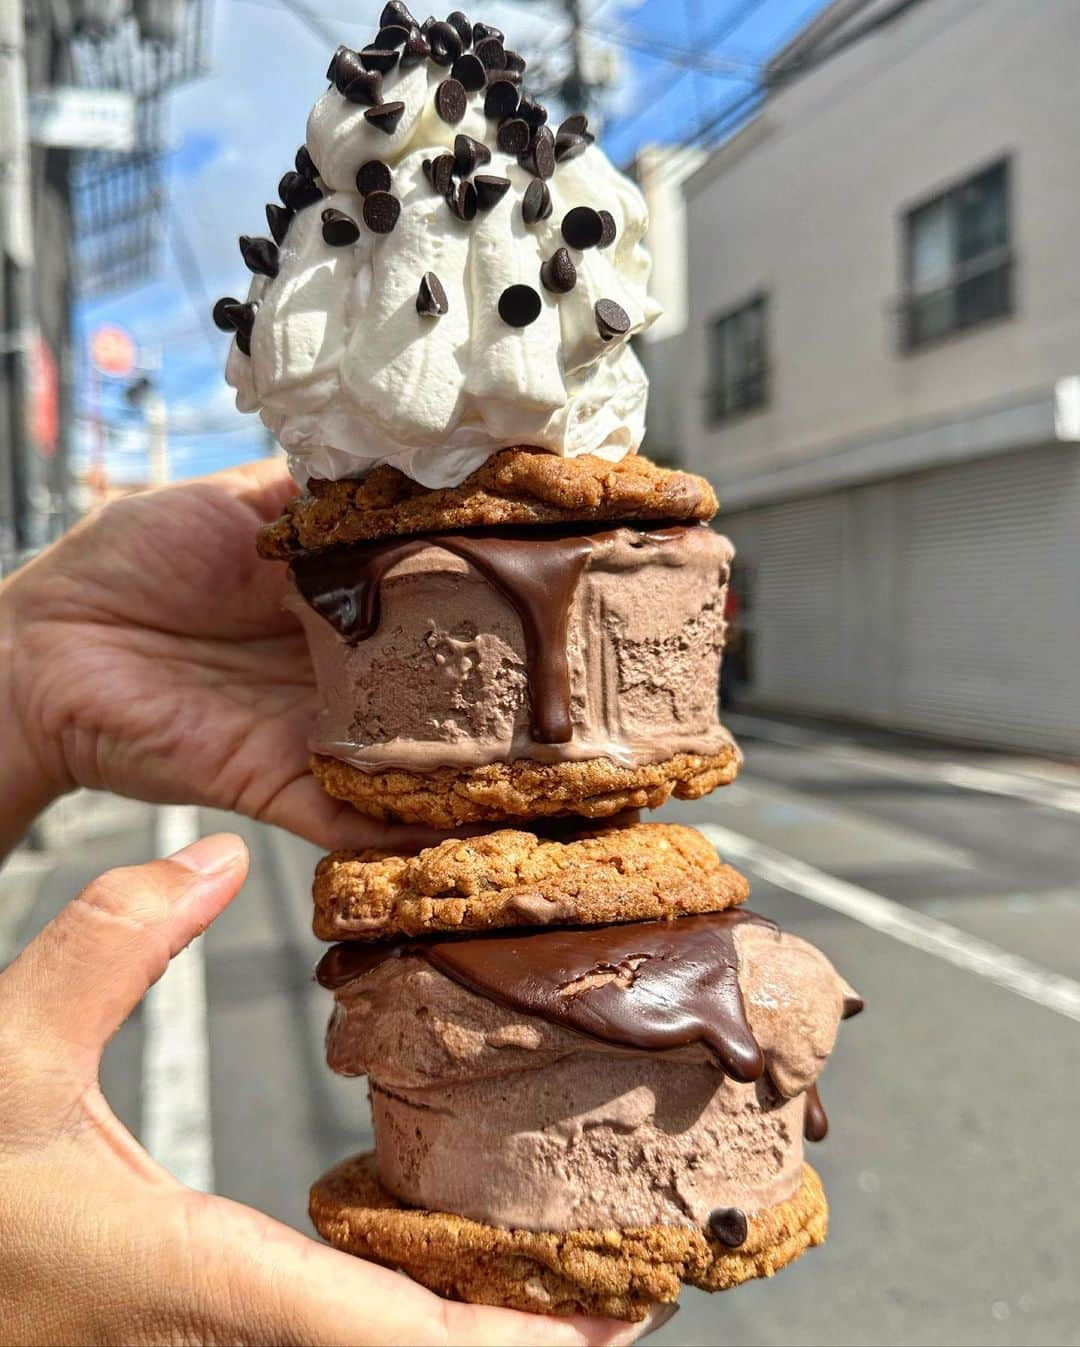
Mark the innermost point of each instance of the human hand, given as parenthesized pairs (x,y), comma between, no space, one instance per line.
(99,1243)
(150,656)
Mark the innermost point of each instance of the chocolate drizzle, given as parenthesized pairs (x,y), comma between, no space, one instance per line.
(815,1123)
(536,572)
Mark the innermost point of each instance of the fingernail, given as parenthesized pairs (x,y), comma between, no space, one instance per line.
(212,855)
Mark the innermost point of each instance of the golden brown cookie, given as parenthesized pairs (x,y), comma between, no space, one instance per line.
(617,1273)
(645,872)
(505,792)
(514,487)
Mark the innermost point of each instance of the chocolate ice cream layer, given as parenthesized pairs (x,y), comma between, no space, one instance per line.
(464,650)
(653,1073)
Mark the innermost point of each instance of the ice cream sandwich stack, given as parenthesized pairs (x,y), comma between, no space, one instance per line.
(591,1068)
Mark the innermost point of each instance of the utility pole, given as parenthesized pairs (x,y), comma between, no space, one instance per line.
(576,89)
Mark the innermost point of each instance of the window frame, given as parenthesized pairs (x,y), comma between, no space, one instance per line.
(720,408)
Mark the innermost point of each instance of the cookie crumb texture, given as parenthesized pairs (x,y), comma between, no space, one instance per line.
(615,1273)
(644,872)
(514,487)
(507,792)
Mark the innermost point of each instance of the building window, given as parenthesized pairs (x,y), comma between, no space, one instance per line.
(958,259)
(738,372)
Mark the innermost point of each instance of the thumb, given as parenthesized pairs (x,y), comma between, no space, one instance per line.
(86,972)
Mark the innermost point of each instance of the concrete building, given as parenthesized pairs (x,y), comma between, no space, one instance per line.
(881,368)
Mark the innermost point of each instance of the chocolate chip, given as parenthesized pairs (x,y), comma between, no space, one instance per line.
(607,238)
(480,31)
(569,146)
(519,305)
(540,157)
(469,71)
(513,136)
(431,301)
(222,320)
(243,343)
(612,320)
(462,200)
(366,88)
(381,59)
(260,255)
(490,191)
(577,124)
(728,1224)
(241,318)
(297,191)
(347,67)
(461,25)
(536,203)
(392,35)
(278,218)
(332,67)
(396,13)
(417,50)
(338,229)
(442,173)
(515,61)
(469,154)
(386,116)
(491,53)
(501,100)
(534,113)
(445,43)
(381,211)
(513,77)
(451,101)
(582,227)
(374,176)
(559,273)
(305,165)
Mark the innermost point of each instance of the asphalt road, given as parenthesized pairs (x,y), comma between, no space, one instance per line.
(942,883)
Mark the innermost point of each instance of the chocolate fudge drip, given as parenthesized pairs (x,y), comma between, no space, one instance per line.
(651,986)
(536,571)
(815,1123)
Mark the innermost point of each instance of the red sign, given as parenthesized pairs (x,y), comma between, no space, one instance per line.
(113,352)
(44,397)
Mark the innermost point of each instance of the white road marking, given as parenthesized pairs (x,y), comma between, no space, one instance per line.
(176,1063)
(1037,790)
(928,934)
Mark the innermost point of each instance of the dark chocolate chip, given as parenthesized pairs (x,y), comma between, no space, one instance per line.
(515,61)
(338,229)
(417,50)
(381,59)
(427,169)
(575,125)
(469,154)
(347,67)
(396,13)
(536,203)
(260,255)
(569,146)
(501,100)
(461,25)
(278,218)
(540,156)
(582,227)
(297,191)
(612,320)
(513,136)
(381,211)
(386,116)
(243,343)
(519,305)
(480,31)
(222,319)
(534,113)
(607,238)
(492,53)
(462,200)
(513,77)
(451,101)
(392,35)
(333,63)
(431,301)
(469,71)
(559,273)
(728,1224)
(242,319)
(366,88)
(442,173)
(490,191)
(305,165)
(445,43)
(374,176)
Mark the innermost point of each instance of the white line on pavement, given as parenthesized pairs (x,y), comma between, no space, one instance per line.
(1015,974)
(175,1065)
(1036,790)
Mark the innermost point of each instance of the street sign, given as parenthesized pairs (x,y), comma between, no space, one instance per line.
(112,351)
(83,119)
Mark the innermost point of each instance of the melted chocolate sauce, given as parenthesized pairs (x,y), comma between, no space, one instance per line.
(815,1123)
(728,1224)
(646,985)
(535,570)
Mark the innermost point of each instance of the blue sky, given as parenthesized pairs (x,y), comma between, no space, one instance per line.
(234,133)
